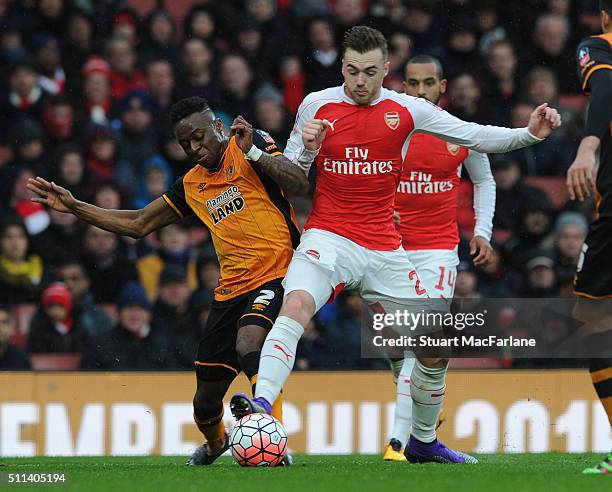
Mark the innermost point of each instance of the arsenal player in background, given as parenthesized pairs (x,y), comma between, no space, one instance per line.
(358,134)
(426,202)
(593,281)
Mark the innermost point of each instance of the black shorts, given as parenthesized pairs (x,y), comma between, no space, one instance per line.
(594,273)
(217,357)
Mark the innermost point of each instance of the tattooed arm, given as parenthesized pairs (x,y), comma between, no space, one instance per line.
(269,159)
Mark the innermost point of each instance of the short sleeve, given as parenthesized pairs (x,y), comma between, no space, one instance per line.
(593,54)
(175,198)
(264,141)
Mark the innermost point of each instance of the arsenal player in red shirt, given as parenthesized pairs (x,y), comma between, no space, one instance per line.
(358,134)
(426,202)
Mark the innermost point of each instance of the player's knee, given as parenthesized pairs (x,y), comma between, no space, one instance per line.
(250,338)
(299,306)
(206,406)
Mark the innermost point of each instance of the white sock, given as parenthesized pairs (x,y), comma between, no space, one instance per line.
(277,357)
(427,387)
(403,403)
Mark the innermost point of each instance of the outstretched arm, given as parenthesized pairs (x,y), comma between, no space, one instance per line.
(430,119)
(283,171)
(133,223)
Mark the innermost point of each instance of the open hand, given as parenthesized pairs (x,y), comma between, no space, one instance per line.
(313,133)
(51,195)
(543,121)
(244,133)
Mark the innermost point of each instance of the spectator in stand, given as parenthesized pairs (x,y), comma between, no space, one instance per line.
(103,162)
(464,95)
(317,350)
(51,16)
(34,215)
(552,50)
(171,313)
(292,79)
(156,179)
(248,41)
(12,48)
(70,171)
(159,38)
(323,65)
(125,76)
(570,232)
(270,115)
(78,44)
(462,49)
(59,240)
(97,90)
(47,55)
(208,272)
(466,284)
(92,319)
(400,51)
(29,143)
(348,13)
(502,86)
(24,98)
(201,23)
(534,223)
(489,24)
(174,154)
(20,272)
(134,343)
(234,95)
(511,192)
(419,24)
(11,358)
(495,281)
(54,329)
(125,24)
(197,77)
(174,249)
(108,196)
(137,139)
(108,271)
(59,120)
(540,280)
(159,75)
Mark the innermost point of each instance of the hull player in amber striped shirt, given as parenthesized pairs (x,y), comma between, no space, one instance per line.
(593,281)
(235,190)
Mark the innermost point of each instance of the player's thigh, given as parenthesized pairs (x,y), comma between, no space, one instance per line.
(260,310)
(322,264)
(217,359)
(437,270)
(594,271)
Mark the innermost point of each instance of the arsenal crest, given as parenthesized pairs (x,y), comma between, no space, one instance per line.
(452,148)
(392,119)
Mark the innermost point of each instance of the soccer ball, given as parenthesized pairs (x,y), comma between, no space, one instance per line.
(258,439)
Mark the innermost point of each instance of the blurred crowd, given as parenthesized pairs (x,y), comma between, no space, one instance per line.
(84,101)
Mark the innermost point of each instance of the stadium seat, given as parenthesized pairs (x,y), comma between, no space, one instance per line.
(21,314)
(553,186)
(55,362)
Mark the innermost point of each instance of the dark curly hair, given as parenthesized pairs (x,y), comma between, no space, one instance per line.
(185,107)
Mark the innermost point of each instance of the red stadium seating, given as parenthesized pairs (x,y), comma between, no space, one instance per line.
(55,362)
(553,186)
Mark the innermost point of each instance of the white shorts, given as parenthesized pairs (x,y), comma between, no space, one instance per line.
(325,262)
(437,269)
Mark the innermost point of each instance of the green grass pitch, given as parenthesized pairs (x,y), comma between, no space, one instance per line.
(553,472)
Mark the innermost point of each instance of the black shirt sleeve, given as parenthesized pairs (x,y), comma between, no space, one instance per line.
(593,54)
(175,197)
(599,116)
(264,141)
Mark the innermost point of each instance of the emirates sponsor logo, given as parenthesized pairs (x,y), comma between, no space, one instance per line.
(421,183)
(392,119)
(357,162)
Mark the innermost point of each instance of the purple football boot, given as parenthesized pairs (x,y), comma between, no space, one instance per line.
(434,452)
(242,405)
